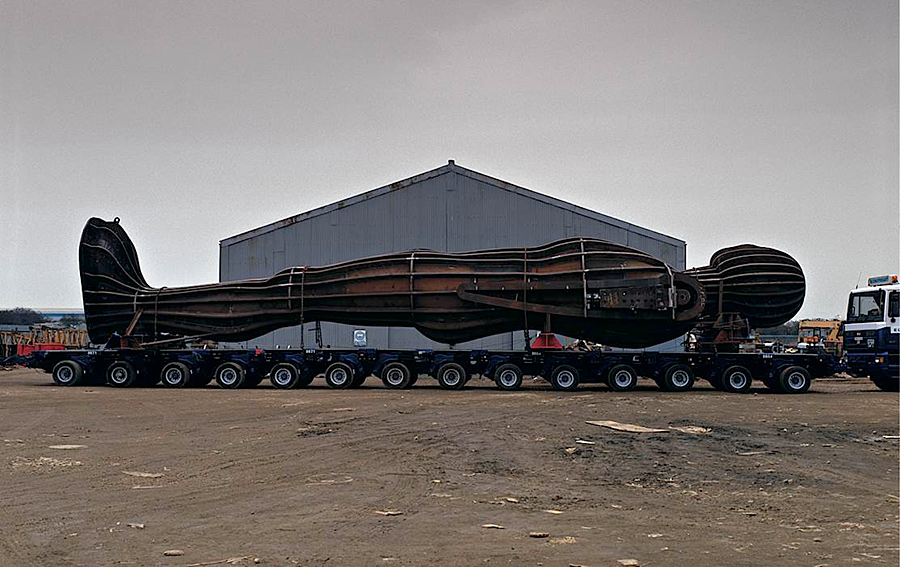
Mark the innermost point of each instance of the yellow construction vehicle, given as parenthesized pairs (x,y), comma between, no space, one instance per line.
(821,335)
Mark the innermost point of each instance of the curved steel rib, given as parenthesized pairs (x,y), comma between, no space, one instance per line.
(590,289)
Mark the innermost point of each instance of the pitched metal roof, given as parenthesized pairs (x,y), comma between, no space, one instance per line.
(452,167)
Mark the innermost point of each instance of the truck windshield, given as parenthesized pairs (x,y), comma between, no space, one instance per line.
(866,307)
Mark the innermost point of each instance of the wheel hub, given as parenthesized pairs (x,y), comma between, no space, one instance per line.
(228,376)
(119,375)
(394,376)
(680,378)
(451,377)
(283,377)
(565,378)
(796,380)
(622,379)
(737,380)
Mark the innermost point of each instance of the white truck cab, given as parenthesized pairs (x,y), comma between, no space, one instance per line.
(872,332)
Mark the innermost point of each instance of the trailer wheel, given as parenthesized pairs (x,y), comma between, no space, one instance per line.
(175,375)
(677,378)
(621,378)
(284,376)
(794,380)
(508,377)
(451,376)
(230,375)
(396,376)
(565,377)
(736,379)
(67,373)
(339,375)
(121,374)
(771,383)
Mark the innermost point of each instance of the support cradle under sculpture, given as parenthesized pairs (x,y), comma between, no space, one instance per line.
(580,287)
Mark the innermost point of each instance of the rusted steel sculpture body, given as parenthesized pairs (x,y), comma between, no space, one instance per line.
(579,287)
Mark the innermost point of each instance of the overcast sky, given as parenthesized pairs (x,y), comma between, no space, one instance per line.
(720,123)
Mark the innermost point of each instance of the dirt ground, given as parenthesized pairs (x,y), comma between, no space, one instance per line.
(309,476)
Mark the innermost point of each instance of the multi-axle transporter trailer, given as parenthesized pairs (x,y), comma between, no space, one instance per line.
(564,370)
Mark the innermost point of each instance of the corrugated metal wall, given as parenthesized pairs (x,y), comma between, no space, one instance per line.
(449,212)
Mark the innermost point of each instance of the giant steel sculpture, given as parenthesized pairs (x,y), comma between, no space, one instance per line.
(578,287)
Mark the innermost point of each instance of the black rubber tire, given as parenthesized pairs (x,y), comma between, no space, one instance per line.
(794,380)
(887,384)
(677,378)
(121,374)
(67,373)
(621,378)
(175,375)
(284,376)
(565,378)
(736,379)
(253,380)
(339,375)
(452,376)
(771,383)
(716,382)
(508,376)
(396,376)
(230,375)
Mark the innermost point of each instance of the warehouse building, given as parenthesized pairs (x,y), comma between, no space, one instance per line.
(450,209)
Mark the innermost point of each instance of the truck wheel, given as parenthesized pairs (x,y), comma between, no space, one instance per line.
(887,384)
(230,375)
(565,377)
(396,376)
(284,376)
(794,380)
(621,378)
(677,378)
(67,373)
(339,375)
(771,383)
(120,374)
(736,379)
(175,375)
(508,377)
(451,376)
